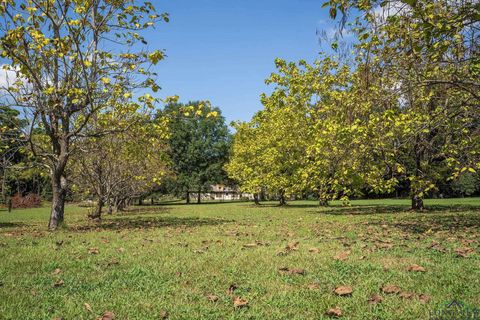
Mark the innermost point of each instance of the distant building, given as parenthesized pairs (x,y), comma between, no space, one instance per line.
(224,193)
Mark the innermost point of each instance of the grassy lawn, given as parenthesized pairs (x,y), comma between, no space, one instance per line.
(192,261)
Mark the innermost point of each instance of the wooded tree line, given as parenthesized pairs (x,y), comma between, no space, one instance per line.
(79,117)
(401,111)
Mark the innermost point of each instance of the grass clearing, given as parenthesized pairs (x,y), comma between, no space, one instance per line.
(191,261)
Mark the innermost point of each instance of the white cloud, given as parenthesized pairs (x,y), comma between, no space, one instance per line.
(7,77)
(390,8)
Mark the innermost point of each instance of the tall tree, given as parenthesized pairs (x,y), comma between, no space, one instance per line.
(12,141)
(116,168)
(199,144)
(74,60)
(424,58)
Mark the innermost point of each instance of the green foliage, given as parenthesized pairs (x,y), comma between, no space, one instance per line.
(466,184)
(199,143)
(73,61)
(403,109)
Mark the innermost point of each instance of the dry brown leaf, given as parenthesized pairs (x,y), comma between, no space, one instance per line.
(250,245)
(384,245)
(416,268)
(423,298)
(239,302)
(464,252)
(334,312)
(313,286)
(121,249)
(314,250)
(292,246)
(212,298)
(391,289)
(342,256)
(343,291)
(232,288)
(163,314)
(108,315)
(93,251)
(406,295)
(59,283)
(292,271)
(374,299)
(56,271)
(88,307)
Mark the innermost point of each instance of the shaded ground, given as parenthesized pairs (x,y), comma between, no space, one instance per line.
(205,262)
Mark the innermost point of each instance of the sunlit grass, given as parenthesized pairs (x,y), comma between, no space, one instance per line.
(173,260)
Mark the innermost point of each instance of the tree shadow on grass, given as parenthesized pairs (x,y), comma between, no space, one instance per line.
(434,222)
(11,225)
(390,209)
(193,203)
(148,223)
(133,211)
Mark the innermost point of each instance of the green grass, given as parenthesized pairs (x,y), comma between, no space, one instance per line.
(169,258)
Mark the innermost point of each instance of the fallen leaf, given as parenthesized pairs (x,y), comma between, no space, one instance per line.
(334,312)
(292,271)
(314,250)
(342,256)
(343,291)
(232,288)
(391,289)
(56,271)
(93,251)
(121,249)
(88,307)
(59,283)
(250,245)
(423,298)
(163,314)
(212,298)
(384,245)
(416,268)
(313,286)
(374,299)
(108,315)
(464,252)
(406,295)
(292,246)
(239,302)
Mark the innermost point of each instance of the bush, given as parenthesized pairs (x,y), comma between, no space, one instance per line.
(31,200)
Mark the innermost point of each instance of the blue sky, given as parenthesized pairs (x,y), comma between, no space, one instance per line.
(223,50)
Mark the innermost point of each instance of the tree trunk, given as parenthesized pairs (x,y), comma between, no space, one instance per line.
(417,203)
(188,197)
(97,213)
(322,202)
(255,199)
(282,198)
(59,190)
(199,196)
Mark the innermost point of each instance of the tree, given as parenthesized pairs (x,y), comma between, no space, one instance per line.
(244,165)
(74,60)
(116,168)
(422,56)
(11,142)
(198,146)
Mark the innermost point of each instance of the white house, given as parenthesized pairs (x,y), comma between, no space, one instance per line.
(224,193)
